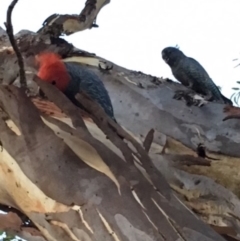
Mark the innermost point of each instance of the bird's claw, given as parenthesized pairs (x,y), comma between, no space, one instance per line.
(190,98)
(179,94)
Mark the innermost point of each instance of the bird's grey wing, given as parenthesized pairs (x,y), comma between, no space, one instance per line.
(180,73)
(86,80)
(198,76)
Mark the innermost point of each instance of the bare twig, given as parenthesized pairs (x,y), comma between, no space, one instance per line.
(9,30)
(232,112)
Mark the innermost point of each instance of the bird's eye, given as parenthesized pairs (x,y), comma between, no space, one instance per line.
(53,82)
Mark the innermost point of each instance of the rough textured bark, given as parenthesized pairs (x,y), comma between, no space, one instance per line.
(75,184)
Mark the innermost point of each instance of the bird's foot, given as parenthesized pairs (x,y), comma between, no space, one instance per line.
(209,97)
(199,100)
(190,97)
(179,95)
(183,94)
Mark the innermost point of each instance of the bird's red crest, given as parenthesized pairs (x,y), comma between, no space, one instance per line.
(53,70)
(48,58)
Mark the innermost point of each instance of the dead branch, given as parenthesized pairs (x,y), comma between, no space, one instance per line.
(232,112)
(9,29)
(58,24)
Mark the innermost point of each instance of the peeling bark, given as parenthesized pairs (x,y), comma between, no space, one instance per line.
(58,168)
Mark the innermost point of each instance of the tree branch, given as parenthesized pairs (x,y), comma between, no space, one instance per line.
(232,112)
(58,24)
(9,28)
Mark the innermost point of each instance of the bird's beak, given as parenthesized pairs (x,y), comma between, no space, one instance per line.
(41,93)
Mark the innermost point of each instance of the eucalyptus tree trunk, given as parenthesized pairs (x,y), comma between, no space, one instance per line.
(71,175)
